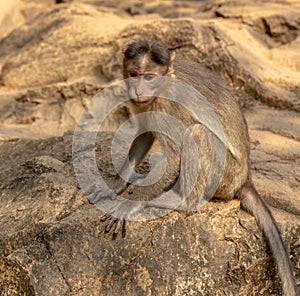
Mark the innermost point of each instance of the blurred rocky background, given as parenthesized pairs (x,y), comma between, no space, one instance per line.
(54,56)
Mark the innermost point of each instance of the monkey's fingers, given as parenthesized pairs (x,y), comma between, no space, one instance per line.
(124,228)
(112,221)
(105,217)
(118,225)
(125,224)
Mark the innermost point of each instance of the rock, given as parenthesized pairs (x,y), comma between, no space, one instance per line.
(10,16)
(48,56)
(51,234)
(52,241)
(38,271)
(38,59)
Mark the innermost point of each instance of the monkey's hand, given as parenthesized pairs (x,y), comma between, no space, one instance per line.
(120,215)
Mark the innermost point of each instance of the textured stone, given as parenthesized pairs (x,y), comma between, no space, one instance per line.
(51,239)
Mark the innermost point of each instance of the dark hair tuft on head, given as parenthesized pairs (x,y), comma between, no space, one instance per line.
(158,53)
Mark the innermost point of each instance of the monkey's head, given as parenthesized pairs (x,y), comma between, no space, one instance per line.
(144,63)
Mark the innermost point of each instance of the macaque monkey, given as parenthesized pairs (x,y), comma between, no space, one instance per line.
(144,63)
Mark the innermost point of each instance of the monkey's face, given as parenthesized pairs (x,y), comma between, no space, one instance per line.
(143,80)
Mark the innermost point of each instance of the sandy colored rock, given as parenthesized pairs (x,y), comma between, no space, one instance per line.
(10,16)
(54,234)
(63,52)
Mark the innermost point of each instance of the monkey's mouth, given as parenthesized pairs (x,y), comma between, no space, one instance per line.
(142,101)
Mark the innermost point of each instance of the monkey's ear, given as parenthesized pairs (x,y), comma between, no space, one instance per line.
(171,62)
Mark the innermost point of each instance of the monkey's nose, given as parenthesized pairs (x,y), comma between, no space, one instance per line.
(138,92)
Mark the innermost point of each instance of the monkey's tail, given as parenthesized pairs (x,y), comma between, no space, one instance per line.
(253,203)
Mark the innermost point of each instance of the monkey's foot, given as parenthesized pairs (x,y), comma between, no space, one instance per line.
(120,214)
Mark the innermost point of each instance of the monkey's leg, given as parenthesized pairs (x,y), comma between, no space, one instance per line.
(123,210)
(253,203)
(202,165)
(185,188)
(191,188)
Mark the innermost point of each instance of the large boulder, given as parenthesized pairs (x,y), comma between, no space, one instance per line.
(52,241)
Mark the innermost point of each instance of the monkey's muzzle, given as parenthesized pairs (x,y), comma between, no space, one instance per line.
(142,101)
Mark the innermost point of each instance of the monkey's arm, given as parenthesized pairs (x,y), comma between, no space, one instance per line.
(124,209)
(200,173)
(138,150)
(173,199)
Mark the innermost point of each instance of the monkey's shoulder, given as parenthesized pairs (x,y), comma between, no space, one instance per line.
(194,70)
(221,99)
(209,85)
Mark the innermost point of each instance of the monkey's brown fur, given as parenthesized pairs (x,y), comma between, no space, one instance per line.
(143,61)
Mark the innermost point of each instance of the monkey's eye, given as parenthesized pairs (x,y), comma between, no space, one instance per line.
(132,74)
(149,77)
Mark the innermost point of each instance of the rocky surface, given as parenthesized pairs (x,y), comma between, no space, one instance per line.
(54,56)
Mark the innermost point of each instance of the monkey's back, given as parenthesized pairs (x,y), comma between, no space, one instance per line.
(230,115)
